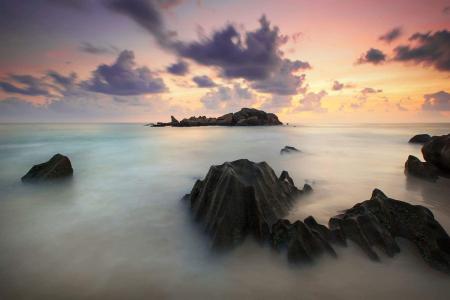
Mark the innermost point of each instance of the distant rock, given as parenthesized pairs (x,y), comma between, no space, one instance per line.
(424,170)
(57,167)
(420,139)
(289,149)
(437,152)
(244,117)
(378,221)
(241,198)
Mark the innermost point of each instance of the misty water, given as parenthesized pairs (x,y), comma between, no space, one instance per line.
(118,230)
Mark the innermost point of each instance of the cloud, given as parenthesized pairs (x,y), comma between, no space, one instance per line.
(65,82)
(179,68)
(312,102)
(373,56)
(203,81)
(429,49)
(446,10)
(97,50)
(439,101)
(369,90)
(283,81)
(337,86)
(75,4)
(25,85)
(391,35)
(228,98)
(123,78)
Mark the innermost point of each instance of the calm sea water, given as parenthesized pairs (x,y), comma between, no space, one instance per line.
(118,229)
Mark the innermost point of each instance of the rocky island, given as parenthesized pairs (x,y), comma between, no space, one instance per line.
(244,117)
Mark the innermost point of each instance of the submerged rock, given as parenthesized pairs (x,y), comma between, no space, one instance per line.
(437,152)
(241,198)
(424,170)
(289,149)
(244,117)
(420,139)
(58,166)
(378,221)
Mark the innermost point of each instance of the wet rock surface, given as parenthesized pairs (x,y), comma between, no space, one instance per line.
(424,170)
(57,167)
(244,117)
(420,138)
(289,149)
(437,152)
(242,198)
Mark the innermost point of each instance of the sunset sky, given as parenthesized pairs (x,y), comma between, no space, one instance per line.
(144,60)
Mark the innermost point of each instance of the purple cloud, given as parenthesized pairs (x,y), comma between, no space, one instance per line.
(204,81)
(439,101)
(372,56)
(179,68)
(391,35)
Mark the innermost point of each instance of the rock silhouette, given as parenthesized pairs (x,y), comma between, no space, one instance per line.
(57,167)
(424,170)
(420,139)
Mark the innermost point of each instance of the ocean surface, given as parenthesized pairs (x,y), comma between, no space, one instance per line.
(118,229)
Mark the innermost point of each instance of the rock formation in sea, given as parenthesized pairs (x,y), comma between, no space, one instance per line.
(289,149)
(242,198)
(57,167)
(420,138)
(424,170)
(244,117)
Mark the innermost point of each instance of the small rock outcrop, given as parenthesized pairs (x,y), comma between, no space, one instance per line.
(289,149)
(57,167)
(424,170)
(244,117)
(420,139)
(241,198)
(437,152)
(378,221)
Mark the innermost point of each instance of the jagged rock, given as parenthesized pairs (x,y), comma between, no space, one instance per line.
(241,198)
(424,170)
(58,166)
(420,139)
(437,152)
(289,149)
(244,117)
(378,221)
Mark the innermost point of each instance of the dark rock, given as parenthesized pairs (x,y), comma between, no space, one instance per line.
(289,149)
(378,221)
(58,166)
(244,117)
(424,170)
(437,152)
(420,139)
(241,198)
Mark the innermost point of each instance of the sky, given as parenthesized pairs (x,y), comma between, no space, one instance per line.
(307,61)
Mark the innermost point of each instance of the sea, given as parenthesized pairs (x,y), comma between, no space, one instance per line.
(119,230)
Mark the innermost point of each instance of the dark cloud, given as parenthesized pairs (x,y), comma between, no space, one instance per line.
(228,98)
(337,86)
(124,78)
(66,82)
(283,81)
(369,90)
(446,10)
(439,101)
(429,49)
(25,85)
(94,49)
(391,35)
(204,81)
(180,68)
(75,4)
(312,102)
(373,56)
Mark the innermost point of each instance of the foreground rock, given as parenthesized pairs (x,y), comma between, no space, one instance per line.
(289,149)
(241,198)
(244,117)
(424,170)
(420,139)
(57,167)
(437,152)
(378,221)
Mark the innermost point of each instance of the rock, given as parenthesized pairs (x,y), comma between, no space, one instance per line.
(420,139)
(378,221)
(241,198)
(289,149)
(244,117)
(437,152)
(424,170)
(57,167)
